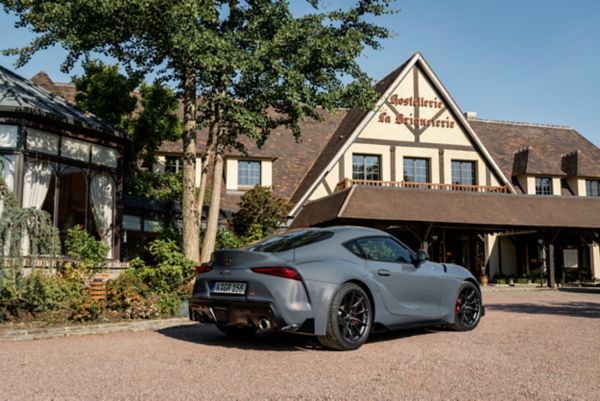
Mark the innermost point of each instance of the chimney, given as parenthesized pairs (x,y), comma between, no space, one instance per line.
(470,115)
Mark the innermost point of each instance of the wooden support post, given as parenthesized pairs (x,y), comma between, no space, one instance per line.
(551,266)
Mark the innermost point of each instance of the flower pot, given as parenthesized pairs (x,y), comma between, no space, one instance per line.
(484,279)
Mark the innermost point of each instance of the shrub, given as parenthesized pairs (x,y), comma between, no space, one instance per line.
(44,292)
(259,206)
(84,309)
(129,295)
(84,248)
(228,239)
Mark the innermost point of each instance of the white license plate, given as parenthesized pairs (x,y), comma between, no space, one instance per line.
(220,287)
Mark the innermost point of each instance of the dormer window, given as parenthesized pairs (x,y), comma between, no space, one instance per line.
(248,173)
(543,185)
(592,187)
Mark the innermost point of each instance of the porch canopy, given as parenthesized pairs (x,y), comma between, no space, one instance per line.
(491,212)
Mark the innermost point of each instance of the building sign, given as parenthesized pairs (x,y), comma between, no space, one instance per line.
(410,119)
(570,259)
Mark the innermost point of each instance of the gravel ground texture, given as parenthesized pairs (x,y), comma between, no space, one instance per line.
(530,346)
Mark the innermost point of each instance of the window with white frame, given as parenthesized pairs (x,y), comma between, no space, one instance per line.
(173,164)
(248,173)
(464,172)
(543,185)
(416,170)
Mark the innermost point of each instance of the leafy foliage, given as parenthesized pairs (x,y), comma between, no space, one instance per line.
(154,185)
(103,91)
(156,123)
(85,249)
(281,66)
(228,239)
(259,207)
(43,292)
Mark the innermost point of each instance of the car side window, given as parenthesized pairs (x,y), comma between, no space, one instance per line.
(384,250)
(355,249)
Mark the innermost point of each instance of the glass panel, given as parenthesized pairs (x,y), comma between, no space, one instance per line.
(543,186)
(173,164)
(104,156)
(133,223)
(72,200)
(282,243)
(248,173)
(384,249)
(365,167)
(592,187)
(8,136)
(463,173)
(416,170)
(7,170)
(75,149)
(152,226)
(40,141)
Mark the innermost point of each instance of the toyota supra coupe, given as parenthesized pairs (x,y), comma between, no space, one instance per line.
(337,283)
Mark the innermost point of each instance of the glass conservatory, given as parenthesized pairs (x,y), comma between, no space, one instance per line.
(57,158)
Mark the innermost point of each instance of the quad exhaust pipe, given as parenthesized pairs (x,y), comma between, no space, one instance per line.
(264,324)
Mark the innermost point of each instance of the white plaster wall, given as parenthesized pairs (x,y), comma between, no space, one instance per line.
(333,177)
(581,191)
(492,256)
(531,185)
(455,135)
(266,173)
(556,186)
(509,256)
(319,192)
(595,261)
(231,174)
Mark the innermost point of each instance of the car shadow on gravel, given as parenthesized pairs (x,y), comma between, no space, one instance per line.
(210,335)
(577,309)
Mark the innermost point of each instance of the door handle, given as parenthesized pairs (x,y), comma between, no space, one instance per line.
(384,272)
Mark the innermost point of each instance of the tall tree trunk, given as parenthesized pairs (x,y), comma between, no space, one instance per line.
(206,160)
(191,232)
(210,234)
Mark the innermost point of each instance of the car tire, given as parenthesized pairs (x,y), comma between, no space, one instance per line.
(467,308)
(237,331)
(349,320)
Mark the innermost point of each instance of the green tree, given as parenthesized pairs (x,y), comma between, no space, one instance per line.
(105,92)
(157,121)
(240,58)
(259,207)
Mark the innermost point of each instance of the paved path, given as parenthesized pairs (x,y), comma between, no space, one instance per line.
(542,345)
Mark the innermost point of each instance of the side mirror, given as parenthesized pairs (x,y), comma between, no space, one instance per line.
(421,257)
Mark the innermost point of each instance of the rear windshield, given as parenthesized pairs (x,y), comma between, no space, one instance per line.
(285,242)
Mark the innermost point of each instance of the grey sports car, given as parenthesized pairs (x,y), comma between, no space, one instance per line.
(338,283)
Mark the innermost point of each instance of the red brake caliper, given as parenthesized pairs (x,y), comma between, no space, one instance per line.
(458,304)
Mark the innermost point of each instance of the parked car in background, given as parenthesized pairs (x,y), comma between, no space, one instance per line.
(337,283)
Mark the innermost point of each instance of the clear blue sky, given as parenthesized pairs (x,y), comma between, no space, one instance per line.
(534,61)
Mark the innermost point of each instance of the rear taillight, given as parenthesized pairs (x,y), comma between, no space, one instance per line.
(202,269)
(285,272)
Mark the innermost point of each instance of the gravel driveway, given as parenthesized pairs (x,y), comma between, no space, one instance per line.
(530,346)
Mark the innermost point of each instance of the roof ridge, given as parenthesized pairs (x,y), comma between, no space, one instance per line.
(541,125)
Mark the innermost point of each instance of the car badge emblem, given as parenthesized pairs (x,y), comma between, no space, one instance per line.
(225,273)
(226,261)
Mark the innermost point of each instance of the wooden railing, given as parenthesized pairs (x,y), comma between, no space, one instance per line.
(347,183)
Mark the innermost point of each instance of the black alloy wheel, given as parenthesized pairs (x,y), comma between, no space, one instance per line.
(467,309)
(350,319)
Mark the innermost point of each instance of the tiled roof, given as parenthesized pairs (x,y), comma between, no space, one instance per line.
(17,94)
(497,211)
(537,149)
